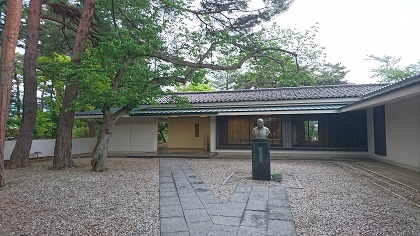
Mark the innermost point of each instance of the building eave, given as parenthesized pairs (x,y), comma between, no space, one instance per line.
(259,110)
(396,92)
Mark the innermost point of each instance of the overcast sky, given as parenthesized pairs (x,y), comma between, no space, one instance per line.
(350,30)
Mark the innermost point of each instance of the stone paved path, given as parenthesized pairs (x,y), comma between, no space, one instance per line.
(189,207)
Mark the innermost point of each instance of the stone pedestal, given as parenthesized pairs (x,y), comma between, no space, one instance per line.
(261,159)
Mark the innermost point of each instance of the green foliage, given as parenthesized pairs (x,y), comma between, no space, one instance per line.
(51,83)
(311,130)
(80,129)
(51,79)
(277,176)
(224,80)
(279,69)
(149,45)
(54,37)
(162,132)
(99,71)
(331,74)
(243,22)
(390,71)
(139,48)
(12,127)
(46,125)
(193,87)
(16,97)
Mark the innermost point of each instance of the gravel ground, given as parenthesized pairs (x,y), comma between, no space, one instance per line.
(121,201)
(326,200)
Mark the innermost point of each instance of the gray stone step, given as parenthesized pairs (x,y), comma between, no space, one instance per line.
(188,207)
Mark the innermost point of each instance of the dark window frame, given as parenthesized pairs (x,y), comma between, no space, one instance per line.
(275,136)
(338,131)
(310,134)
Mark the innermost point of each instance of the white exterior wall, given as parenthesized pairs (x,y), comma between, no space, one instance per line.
(402,124)
(181,132)
(134,134)
(46,147)
(130,135)
(83,145)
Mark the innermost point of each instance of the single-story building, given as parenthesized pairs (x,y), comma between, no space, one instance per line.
(380,121)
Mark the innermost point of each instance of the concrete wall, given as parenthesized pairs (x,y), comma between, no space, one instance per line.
(134,134)
(181,132)
(83,145)
(131,135)
(46,147)
(403,132)
(402,123)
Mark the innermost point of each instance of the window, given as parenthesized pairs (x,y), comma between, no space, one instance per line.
(311,131)
(308,130)
(330,131)
(344,131)
(236,131)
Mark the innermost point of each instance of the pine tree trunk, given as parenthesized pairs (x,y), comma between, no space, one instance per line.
(63,143)
(21,152)
(10,38)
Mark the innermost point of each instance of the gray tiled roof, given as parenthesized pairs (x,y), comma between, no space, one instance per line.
(208,111)
(395,86)
(259,95)
(275,94)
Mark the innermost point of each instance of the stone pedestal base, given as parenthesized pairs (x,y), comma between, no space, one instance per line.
(261,159)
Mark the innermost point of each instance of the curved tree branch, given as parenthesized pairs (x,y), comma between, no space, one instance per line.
(199,64)
(118,77)
(235,15)
(59,21)
(92,37)
(156,81)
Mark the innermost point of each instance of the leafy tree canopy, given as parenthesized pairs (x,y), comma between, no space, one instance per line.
(278,69)
(390,70)
(142,47)
(152,44)
(194,87)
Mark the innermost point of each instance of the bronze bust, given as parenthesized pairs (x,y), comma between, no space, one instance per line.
(260,132)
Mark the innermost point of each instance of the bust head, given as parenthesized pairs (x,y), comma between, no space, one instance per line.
(260,132)
(260,123)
